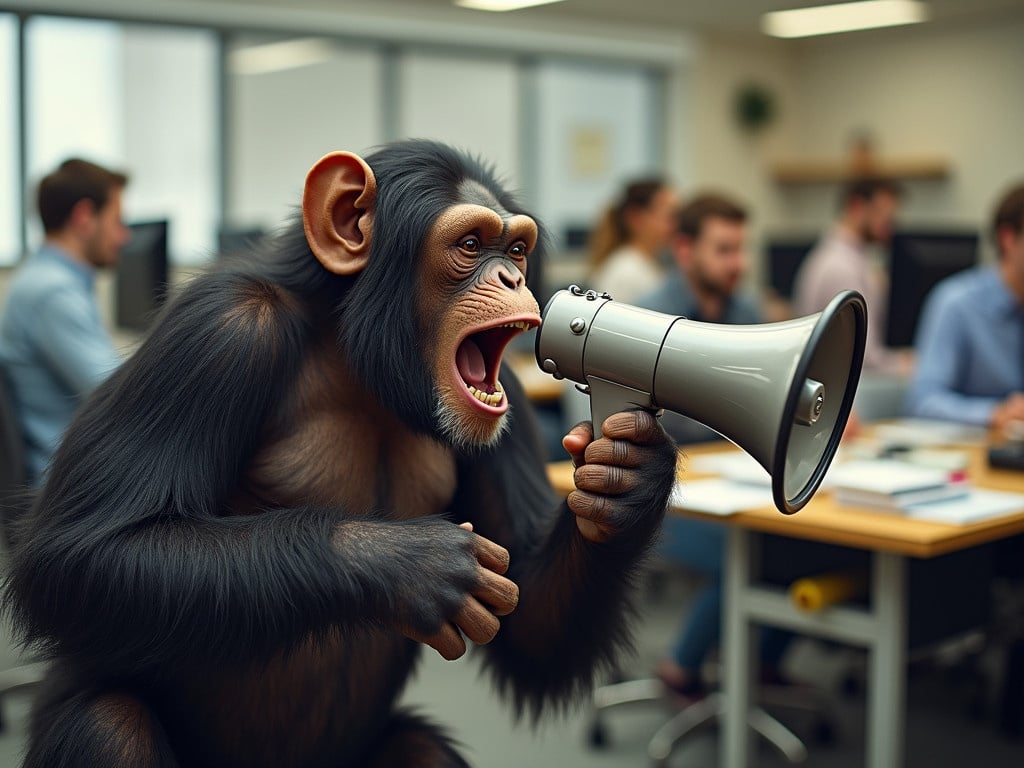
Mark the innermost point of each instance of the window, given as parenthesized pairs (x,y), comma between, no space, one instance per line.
(466,101)
(137,98)
(596,129)
(293,100)
(10,194)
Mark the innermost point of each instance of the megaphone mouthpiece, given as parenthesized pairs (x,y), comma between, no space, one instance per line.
(781,391)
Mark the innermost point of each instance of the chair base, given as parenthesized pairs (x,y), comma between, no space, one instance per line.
(706,711)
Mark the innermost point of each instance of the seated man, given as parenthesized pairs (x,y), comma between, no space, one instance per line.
(840,261)
(711,257)
(709,250)
(970,343)
(53,347)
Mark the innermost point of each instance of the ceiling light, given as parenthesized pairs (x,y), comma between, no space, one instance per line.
(843,17)
(275,57)
(501,5)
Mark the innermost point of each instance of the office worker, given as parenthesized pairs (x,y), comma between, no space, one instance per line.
(630,237)
(710,255)
(970,342)
(54,348)
(840,261)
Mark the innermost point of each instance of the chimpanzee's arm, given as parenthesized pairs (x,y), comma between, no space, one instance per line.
(575,595)
(127,559)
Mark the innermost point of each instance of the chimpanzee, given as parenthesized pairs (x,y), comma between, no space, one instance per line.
(310,468)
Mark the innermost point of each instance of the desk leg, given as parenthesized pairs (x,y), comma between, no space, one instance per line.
(888,682)
(739,669)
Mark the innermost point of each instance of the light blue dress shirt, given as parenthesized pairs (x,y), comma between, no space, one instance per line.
(54,348)
(970,349)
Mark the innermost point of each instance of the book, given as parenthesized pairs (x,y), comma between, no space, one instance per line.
(892,485)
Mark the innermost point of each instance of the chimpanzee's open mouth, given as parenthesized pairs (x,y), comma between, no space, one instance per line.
(478,361)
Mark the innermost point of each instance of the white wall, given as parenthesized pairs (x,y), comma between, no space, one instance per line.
(724,156)
(957,93)
(953,93)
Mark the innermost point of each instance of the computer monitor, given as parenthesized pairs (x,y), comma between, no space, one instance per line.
(233,241)
(785,255)
(141,278)
(917,261)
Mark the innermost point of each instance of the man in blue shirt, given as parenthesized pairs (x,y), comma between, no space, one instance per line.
(54,349)
(970,344)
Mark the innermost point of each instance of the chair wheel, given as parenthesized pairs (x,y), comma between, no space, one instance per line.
(597,736)
(823,732)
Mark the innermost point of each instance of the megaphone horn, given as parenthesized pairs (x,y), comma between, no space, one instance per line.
(781,391)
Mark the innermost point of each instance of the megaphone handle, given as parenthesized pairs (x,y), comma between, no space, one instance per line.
(608,397)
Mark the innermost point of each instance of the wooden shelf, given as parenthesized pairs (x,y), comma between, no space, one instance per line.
(818,171)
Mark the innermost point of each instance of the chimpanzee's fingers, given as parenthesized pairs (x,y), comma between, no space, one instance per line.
(605,479)
(478,623)
(492,556)
(576,442)
(497,592)
(636,426)
(618,453)
(448,641)
(590,506)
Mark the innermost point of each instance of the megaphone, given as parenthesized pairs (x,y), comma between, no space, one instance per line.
(781,391)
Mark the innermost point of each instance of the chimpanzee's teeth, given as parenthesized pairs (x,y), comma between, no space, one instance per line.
(494,398)
(522,325)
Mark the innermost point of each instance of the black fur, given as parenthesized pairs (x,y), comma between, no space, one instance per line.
(134,576)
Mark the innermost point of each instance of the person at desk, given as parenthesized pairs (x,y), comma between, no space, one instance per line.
(711,259)
(54,348)
(629,239)
(840,262)
(970,343)
(710,255)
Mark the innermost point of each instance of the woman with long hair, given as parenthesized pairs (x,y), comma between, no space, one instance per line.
(629,238)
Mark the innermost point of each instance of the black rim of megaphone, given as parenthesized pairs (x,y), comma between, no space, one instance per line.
(789,412)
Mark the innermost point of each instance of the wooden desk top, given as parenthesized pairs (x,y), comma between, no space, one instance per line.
(540,387)
(825,520)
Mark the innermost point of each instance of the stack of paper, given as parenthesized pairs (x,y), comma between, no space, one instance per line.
(892,485)
(974,507)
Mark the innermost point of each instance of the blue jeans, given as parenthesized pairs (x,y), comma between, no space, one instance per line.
(700,547)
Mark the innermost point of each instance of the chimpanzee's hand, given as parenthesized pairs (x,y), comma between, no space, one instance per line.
(623,479)
(438,578)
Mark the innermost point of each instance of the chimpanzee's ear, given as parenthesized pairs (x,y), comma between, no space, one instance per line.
(337,211)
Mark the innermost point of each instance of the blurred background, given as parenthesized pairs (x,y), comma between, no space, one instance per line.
(218,108)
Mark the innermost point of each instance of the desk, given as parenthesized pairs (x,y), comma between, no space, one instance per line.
(540,387)
(881,629)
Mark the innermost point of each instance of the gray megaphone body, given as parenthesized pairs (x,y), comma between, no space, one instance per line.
(780,391)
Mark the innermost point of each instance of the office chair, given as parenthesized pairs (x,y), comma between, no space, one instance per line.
(707,710)
(13,501)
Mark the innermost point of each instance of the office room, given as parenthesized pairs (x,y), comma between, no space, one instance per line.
(847,590)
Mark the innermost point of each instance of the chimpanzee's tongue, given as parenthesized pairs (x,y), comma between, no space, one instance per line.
(470,362)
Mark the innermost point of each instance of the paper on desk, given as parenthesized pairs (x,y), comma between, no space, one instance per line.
(975,506)
(927,432)
(737,466)
(718,496)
